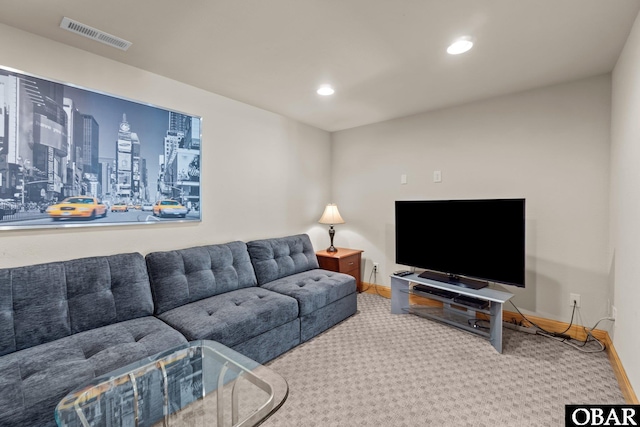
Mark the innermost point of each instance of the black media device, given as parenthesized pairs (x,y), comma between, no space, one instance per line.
(471,302)
(463,242)
(435,291)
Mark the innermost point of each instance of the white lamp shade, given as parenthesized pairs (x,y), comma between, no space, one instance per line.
(331,215)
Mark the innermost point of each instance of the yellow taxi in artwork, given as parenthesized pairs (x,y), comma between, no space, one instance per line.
(120,207)
(168,207)
(84,207)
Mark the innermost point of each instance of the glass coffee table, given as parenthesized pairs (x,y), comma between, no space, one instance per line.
(196,384)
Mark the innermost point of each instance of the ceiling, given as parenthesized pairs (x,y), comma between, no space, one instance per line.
(385,58)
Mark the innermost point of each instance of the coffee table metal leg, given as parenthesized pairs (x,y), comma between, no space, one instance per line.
(134,384)
(80,414)
(234,400)
(165,391)
(220,393)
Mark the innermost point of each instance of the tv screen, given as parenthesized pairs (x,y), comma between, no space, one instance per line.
(480,239)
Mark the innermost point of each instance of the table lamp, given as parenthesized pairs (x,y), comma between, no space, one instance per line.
(331,216)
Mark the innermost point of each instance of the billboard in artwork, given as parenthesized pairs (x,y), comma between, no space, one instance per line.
(73,157)
(188,165)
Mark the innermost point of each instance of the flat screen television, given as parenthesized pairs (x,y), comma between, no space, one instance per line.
(464,242)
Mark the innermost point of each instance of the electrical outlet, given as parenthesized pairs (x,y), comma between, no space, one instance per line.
(376,265)
(614,312)
(574,298)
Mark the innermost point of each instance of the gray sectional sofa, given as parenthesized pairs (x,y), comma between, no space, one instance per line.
(65,323)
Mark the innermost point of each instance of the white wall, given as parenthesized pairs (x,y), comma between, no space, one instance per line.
(263,175)
(625,204)
(550,146)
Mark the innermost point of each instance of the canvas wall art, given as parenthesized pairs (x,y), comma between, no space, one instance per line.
(73,157)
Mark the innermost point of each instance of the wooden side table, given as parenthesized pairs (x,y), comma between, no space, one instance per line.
(345,261)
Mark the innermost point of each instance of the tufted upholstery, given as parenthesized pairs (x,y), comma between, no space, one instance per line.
(289,266)
(233,317)
(276,258)
(64,323)
(314,289)
(45,302)
(187,275)
(34,380)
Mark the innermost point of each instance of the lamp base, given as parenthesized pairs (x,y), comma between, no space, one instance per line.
(332,233)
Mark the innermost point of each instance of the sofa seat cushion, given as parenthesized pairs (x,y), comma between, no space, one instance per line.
(314,289)
(233,317)
(34,380)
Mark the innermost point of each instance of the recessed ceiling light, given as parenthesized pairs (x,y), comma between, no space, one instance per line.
(325,90)
(460,46)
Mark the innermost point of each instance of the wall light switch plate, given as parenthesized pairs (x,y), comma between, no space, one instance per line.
(403,178)
(437,176)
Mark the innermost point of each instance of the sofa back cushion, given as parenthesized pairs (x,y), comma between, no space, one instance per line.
(276,258)
(188,275)
(44,302)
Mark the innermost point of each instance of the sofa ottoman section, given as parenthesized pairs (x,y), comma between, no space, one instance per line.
(314,289)
(289,266)
(325,298)
(328,316)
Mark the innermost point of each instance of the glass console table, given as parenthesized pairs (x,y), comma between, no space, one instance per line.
(196,384)
(451,312)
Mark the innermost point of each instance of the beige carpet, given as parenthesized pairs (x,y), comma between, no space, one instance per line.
(378,369)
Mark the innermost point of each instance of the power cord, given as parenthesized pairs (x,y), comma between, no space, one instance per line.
(560,334)
(566,339)
(589,338)
(374,274)
(474,324)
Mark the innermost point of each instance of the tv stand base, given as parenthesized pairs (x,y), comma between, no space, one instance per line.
(452,313)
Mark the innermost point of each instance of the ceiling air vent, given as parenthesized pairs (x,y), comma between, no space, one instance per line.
(94,34)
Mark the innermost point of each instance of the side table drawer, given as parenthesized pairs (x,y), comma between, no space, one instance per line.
(349,263)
